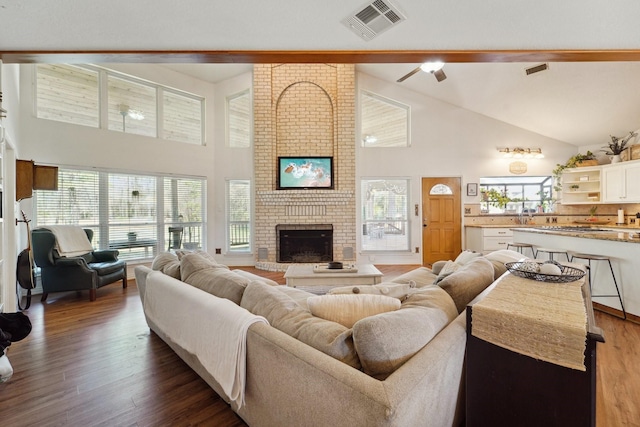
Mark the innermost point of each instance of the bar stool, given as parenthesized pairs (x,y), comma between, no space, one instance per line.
(552,252)
(520,247)
(590,258)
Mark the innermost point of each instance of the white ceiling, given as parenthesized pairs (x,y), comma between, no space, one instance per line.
(580,103)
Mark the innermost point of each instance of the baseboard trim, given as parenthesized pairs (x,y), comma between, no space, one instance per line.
(615,312)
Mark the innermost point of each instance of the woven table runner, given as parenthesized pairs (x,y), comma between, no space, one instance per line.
(546,321)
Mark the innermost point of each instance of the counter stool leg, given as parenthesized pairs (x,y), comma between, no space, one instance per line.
(624,313)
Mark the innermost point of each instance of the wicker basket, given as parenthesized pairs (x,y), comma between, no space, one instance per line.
(584,163)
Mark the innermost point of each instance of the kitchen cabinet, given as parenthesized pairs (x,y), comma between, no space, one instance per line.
(581,185)
(621,182)
(487,239)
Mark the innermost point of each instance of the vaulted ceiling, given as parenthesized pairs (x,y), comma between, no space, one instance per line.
(577,102)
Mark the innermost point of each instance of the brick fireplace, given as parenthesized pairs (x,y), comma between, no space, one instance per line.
(304,110)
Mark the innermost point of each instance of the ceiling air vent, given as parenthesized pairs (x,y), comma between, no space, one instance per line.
(374,18)
(536,69)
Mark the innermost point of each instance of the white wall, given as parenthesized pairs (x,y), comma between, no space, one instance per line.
(446,141)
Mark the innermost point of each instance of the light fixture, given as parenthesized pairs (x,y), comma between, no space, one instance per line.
(519,153)
(431,67)
(126,111)
(370,139)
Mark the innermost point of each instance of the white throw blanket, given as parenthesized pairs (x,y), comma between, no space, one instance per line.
(184,313)
(71,240)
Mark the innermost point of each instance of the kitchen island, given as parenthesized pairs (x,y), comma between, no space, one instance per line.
(621,245)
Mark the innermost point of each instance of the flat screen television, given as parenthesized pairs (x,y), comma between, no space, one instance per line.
(306,172)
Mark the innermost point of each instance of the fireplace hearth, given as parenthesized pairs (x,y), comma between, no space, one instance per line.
(304,243)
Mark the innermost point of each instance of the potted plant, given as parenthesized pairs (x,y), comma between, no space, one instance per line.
(497,198)
(574,187)
(617,146)
(573,162)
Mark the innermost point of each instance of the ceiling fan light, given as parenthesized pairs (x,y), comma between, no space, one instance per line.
(430,67)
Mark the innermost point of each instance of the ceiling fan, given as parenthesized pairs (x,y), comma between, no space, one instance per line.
(434,68)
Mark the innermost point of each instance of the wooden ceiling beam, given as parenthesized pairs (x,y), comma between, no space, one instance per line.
(338,57)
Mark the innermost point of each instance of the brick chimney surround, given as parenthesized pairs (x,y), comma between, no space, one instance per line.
(303,110)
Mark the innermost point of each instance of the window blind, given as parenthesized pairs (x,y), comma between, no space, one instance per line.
(182,118)
(128,212)
(239,215)
(239,120)
(132,107)
(67,94)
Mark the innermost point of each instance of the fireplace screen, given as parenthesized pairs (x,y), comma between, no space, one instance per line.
(304,243)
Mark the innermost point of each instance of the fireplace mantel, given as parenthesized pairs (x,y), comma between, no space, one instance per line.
(306,197)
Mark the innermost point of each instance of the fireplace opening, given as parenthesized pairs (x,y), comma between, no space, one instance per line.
(304,243)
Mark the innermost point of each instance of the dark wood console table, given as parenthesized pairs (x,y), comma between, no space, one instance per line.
(506,388)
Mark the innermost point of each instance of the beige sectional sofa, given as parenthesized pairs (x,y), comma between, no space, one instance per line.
(400,367)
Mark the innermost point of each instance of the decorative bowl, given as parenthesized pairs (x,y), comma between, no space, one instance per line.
(523,269)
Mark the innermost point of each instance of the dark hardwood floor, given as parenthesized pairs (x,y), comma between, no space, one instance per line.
(97,364)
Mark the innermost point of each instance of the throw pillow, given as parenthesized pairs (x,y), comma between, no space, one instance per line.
(390,289)
(348,309)
(466,256)
(421,276)
(447,269)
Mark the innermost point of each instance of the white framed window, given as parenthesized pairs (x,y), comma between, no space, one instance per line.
(385,214)
(67,93)
(383,121)
(239,208)
(239,118)
(128,212)
(75,93)
(182,117)
(132,106)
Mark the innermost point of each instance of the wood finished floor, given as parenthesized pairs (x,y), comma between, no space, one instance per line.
(97,364)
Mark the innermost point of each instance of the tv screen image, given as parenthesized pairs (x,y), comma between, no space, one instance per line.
(305,172)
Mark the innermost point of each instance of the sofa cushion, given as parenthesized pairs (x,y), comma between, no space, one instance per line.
(464,284)
(347,309)
(466,256)
(182,252)
(211,277)
(421,276)
(501,257)
(252,276)
(390,289)
(167,263)
(386,341)
(284,314)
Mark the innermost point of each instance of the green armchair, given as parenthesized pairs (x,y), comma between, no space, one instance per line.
(87,272)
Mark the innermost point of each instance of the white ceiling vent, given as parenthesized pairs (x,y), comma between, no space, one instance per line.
(536,69)
(374,18)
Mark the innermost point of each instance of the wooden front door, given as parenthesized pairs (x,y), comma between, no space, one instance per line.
(441,219)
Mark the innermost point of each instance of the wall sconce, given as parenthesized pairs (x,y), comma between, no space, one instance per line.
(521,153)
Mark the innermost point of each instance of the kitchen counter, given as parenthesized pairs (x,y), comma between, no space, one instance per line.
(619,244)
(630,235)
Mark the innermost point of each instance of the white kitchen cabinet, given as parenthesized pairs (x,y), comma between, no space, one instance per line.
(581,185)
(487,239)
(621,182)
